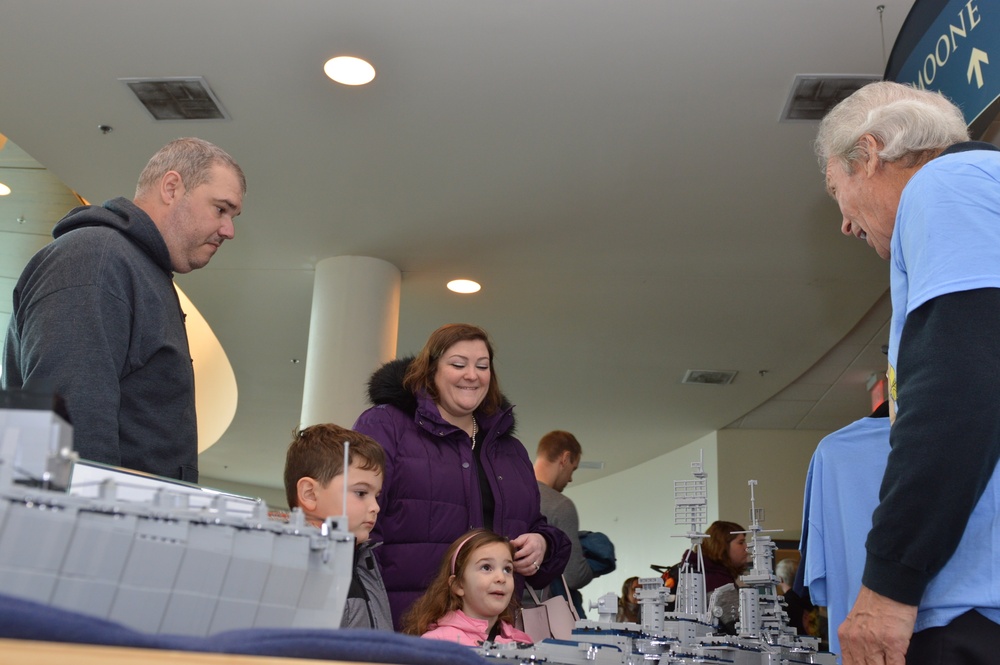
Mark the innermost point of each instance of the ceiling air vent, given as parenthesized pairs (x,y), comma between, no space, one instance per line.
(715,376)
(177,98)
(814,94)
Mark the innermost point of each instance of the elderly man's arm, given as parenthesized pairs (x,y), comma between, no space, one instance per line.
(946,437)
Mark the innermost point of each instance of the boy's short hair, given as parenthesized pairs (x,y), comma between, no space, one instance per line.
(318,452)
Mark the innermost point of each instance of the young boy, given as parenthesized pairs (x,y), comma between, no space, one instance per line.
(314,482)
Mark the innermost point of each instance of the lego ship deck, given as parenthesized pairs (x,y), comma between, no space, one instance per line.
(690,633)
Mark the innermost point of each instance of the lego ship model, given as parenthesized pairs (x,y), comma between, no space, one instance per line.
(690,632)
(155,555)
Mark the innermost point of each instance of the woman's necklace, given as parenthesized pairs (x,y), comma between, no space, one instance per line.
(475,430)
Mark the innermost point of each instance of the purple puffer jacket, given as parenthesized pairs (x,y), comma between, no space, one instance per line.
(431,495)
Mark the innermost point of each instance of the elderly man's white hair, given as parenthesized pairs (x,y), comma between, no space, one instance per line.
(910,124)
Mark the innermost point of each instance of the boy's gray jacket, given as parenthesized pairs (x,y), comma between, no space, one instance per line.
(367,603)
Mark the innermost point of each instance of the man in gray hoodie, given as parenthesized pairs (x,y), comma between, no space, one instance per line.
(96,318)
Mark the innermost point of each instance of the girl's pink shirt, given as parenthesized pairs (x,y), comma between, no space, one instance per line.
(459,627)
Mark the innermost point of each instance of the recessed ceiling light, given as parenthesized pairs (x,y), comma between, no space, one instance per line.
(463,286)
(348,70)
(4,189)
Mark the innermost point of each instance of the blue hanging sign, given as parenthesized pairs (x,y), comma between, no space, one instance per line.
(953,48)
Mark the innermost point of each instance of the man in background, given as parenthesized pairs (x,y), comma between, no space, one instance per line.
(840,496)
(96,318)
(558,456)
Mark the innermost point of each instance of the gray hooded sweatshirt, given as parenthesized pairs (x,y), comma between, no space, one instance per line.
(96,319)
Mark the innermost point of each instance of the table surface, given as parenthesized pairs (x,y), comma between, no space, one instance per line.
(26,652)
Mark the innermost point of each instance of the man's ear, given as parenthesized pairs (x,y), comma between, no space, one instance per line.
(871,147)
(566,458)
(171,187)
(305,489)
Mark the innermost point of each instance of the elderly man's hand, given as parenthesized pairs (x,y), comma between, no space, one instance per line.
(877,631)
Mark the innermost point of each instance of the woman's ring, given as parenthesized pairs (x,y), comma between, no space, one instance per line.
(536,565)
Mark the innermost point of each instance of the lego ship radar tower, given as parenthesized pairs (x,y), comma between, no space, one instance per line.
(691,510)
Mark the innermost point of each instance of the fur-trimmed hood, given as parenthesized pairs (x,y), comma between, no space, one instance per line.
(386,387)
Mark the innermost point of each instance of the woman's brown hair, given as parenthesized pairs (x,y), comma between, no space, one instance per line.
(716,547)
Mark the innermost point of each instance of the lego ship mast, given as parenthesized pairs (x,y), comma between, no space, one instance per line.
(691,510)
(761,609)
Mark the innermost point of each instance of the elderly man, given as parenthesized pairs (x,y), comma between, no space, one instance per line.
(910,184)
(96,317)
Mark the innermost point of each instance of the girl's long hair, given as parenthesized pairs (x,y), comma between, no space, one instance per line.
(439,599)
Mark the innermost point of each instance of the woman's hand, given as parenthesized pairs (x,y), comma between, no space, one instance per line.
(529,552)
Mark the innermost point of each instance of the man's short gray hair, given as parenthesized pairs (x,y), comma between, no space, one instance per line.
(912,125)
(192,158)
(786,569)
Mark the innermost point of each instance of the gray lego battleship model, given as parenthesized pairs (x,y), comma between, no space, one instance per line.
(167,559)
(691,631)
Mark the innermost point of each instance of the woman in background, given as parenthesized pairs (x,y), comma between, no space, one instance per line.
(628,605)
(725,553)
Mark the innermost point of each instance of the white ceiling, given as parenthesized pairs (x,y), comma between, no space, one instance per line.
(613,172)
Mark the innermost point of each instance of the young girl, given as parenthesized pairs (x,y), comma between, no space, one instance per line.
(470,600)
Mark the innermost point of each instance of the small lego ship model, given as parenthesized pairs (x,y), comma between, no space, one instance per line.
(690,632)
(175,560)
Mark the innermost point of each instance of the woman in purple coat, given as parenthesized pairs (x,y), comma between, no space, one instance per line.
(452,464)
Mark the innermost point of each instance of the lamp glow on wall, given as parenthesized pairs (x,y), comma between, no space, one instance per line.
(215,388)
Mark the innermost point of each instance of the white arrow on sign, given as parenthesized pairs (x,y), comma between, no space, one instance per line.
(976,61)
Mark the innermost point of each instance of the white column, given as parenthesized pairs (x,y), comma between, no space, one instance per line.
(352,330)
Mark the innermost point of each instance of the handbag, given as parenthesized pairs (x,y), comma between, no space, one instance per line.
(555,617)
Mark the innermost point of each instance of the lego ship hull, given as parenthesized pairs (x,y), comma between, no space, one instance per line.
(167,569)
(166,559)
